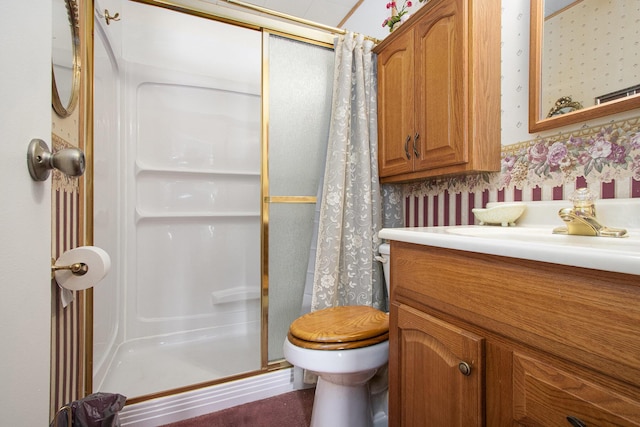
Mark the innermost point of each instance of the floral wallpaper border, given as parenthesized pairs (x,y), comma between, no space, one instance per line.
(599,154)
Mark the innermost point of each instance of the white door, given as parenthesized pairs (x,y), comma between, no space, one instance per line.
(25,213)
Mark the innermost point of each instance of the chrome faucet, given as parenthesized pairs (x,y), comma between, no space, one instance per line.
(581,218)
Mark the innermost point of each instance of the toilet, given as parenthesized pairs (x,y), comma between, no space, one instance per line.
(345,346)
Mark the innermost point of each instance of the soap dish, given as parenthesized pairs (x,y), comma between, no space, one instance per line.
(504,214)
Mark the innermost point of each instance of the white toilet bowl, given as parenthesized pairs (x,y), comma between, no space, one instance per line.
(342,396)
(342,392)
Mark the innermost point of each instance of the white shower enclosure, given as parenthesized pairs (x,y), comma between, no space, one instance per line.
(178,199)
(185,295)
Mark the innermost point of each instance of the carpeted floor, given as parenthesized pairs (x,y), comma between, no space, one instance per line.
(291,409)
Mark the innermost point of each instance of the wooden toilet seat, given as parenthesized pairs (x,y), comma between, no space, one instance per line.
(340,328)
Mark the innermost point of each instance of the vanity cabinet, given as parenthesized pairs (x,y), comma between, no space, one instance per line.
(546,345)
(451,359)
(439,92)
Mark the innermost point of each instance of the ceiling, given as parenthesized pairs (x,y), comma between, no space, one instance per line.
(333,12)
(553,6)
(327,12)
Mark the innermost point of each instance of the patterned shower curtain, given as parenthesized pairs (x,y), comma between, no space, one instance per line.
(346,272)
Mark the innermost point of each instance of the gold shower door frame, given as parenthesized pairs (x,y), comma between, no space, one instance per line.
(84,324)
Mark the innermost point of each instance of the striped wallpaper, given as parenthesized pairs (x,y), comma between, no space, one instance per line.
(67,371)
(455,208)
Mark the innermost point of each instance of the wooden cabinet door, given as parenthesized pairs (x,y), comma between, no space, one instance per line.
(441,86)
(428,385)
(546,396)
(396,124)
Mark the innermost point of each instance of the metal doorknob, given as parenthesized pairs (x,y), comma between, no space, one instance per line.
(40,160)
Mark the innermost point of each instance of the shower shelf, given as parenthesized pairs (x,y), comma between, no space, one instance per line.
(157,215)
(240,293)
(146,169)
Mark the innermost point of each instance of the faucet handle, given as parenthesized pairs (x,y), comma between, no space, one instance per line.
(581,219)
(584,202)
(582,197)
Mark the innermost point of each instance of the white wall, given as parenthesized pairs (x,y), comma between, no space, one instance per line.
(25,214)
(368,19)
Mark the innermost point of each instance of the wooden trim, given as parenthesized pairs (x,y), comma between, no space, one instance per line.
(567,7)
(86,196)
(536,122)
(351,12)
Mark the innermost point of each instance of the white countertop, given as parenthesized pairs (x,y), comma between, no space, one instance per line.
(536,243)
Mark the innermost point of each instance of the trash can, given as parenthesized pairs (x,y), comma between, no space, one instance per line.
(95,410)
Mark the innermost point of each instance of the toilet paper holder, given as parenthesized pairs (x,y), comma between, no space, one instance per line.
(80,268)
(77,268)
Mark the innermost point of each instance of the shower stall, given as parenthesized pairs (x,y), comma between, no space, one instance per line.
(209,142)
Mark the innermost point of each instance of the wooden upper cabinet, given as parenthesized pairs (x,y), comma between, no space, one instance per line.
(441,87)
(396,92)
(439,92)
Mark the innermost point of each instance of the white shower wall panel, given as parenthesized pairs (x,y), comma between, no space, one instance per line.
(182,262)
(191,128)
(162,193)
(185,44)
(196,224)
(107,202)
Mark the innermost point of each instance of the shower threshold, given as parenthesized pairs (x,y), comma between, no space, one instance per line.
(148,367)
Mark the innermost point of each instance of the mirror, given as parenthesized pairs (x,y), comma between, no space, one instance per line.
(65,63)
(578,67)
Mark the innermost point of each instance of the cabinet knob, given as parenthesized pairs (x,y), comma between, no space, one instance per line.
(464,368)
(406,147)
(575,422)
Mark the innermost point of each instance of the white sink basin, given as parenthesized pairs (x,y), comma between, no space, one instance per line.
(530,240)
(501,232)
(545,236)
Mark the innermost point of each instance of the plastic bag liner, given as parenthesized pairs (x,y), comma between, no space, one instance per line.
(95,410)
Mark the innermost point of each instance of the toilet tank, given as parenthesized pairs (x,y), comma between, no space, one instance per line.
(384,250)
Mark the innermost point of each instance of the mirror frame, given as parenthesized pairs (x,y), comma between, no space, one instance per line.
(57,104)
(538,123)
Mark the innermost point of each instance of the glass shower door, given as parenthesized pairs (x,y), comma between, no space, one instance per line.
(300,90)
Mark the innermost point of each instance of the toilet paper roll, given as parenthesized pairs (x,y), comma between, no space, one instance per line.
(97,261)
